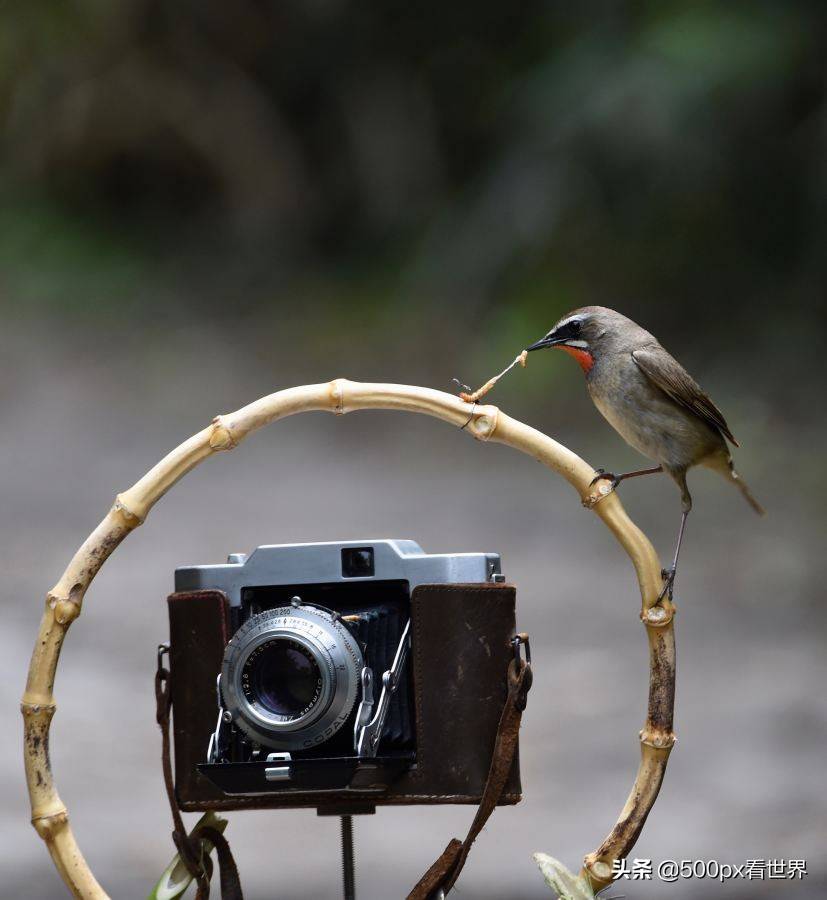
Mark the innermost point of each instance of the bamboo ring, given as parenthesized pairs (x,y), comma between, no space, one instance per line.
(486,423)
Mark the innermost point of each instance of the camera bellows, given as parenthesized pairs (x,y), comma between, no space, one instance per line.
(379,630)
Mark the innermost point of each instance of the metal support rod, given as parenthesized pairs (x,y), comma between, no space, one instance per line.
(348,860)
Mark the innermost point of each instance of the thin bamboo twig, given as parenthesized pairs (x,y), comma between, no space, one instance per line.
(486,423)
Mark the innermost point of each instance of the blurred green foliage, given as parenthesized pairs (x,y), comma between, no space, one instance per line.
(491,164)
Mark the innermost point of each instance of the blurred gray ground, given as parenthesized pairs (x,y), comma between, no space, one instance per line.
(86,413)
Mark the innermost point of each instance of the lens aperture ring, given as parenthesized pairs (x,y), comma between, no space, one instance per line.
(290,677)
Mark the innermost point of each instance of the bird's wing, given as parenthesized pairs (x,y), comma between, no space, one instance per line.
(670,376)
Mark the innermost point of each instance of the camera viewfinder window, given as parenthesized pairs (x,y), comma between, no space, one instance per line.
(357,562)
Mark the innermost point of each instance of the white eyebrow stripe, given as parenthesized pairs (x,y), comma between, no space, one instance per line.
(578,318)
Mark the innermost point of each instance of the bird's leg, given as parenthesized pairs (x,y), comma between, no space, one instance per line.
(669,574)
(616,479)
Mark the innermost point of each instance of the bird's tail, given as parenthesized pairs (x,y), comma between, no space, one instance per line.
(743,487)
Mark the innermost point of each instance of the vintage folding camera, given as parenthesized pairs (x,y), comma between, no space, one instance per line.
(340,676)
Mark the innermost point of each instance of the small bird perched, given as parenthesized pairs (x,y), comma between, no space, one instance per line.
(650,400)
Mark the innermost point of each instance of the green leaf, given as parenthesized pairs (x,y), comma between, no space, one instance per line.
(567,885)
(176,879)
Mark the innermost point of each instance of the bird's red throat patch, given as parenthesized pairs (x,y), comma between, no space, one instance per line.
(583,357)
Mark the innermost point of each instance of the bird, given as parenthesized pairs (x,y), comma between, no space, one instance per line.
(655,405)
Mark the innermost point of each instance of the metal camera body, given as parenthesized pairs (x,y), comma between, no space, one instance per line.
(314,690)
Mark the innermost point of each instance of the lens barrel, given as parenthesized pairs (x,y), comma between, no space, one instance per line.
(283,676)
(290,676)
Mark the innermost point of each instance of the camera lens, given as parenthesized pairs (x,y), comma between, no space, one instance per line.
(283,677)
(290,676)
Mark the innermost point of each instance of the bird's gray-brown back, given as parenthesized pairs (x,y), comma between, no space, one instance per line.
(670,432)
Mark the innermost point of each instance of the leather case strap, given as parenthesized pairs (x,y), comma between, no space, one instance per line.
(444,872)
(188,849)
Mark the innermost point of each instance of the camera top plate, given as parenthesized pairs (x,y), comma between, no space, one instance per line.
(338,562)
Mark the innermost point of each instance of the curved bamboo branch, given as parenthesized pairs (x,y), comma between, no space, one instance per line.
(486,423)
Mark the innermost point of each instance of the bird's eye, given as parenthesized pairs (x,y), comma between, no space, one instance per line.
(575,325)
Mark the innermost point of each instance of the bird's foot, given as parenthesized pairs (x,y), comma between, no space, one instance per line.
(668,576)
(608,476)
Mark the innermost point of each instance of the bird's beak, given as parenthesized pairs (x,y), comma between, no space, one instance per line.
(552,339)
(560,334)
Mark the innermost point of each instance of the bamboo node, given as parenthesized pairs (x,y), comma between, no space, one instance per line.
(599,869)
(66,611)
(658,740)
(44,707)
(47,825)
(337,395)
(132,519)
(483,422)
(221,437)
(597,492)
(657,616)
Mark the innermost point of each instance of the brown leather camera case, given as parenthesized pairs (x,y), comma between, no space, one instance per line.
(460,651)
